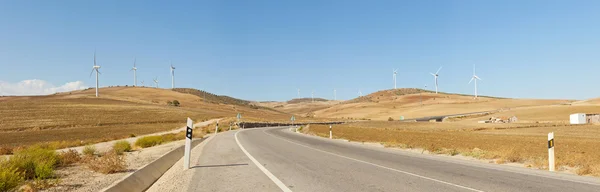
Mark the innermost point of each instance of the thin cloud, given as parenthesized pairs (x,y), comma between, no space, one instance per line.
(38,87)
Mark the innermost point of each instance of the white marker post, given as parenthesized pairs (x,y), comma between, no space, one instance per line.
(188,144)
(330,132)
(551,151)
(217,127)
(230,126)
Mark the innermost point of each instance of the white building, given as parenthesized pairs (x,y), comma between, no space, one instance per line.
(578,118)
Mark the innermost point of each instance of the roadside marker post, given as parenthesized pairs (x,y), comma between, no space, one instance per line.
(239,116)
(217,127)
(230,126)
(330,132)
(551,151)
(293,119)
(188,144)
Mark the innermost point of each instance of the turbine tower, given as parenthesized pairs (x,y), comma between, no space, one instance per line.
(312,95)
(95,68)
(334,95)
(475,77)
(298,93)
(395,73)
(172,76)
(134,69)
(436,75)
(156,82)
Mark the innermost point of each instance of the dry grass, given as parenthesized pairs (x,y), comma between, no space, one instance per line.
(387,103)
(108,163)
(69,157)
(78,118)
(576,145)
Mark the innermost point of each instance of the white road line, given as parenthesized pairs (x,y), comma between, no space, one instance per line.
(376,165)
(275,180)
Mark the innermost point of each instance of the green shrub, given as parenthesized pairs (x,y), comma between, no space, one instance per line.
(149,141)
(175,103)
(89,150)
(35,162)
(10,176)
(390,119)
(122,146)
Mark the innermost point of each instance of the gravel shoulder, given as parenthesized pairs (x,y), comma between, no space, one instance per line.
(79,178)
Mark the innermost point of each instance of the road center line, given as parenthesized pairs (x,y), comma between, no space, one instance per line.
(376,165)
(275,180)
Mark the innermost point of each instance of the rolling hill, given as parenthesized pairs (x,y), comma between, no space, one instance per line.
(118,112)
(414,103)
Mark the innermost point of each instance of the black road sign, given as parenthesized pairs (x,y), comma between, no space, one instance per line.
(550,143)
(188,132)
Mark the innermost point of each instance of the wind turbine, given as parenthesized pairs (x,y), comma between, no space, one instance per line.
(395,73)
(298,93)
(359,93)
(475,77)
(312,95)
(436,75)
(172,76)
(156,82)
(134,69)
(95,68)
(334,95)
(142,83)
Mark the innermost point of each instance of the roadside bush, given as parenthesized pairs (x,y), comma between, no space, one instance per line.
(35,162)
(169,103)
(108,163)
(6,150)
(69,157)
(10,176)
(121,146)
(390,119)
(149,141)
(89,150)
(176,103)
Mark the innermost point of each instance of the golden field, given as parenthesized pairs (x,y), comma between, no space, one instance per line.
(576,146)
(415,103)
(119,112)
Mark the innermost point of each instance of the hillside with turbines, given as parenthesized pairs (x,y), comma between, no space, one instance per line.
(118,112)
(409,103)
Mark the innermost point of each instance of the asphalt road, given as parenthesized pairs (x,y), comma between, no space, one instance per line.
(275,159)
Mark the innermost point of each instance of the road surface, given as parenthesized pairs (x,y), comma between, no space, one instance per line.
(276,159)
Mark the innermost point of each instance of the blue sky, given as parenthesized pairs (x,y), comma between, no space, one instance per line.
(265,50)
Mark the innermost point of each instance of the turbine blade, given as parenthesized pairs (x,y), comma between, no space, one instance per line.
(134,61)
(432,74)
(438,71)
(98,72)
(471,79)
(476,77)
(92,72)
(94,57)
